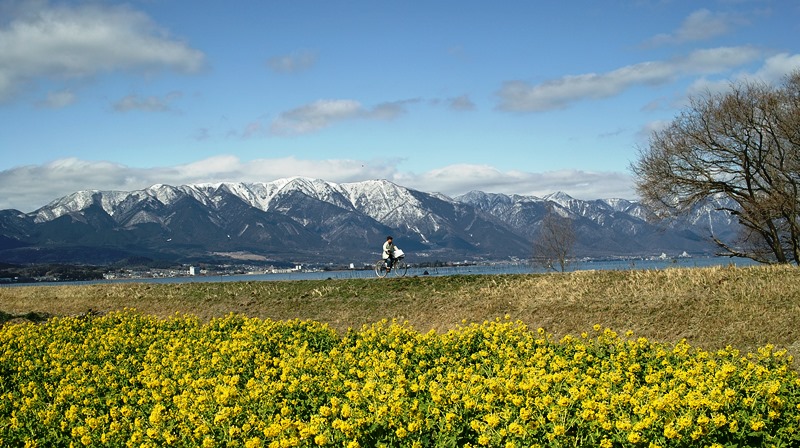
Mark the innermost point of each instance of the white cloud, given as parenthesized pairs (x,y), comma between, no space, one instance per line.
(702,86)
(323,113)
(699,25)
(315,116)
(773,71)
(519,96)
(776,67)
(715,60)
(293,63)
(461,178)
(388,110)
(67,42)
(27,188)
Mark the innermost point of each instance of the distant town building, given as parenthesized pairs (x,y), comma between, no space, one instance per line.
(193,270)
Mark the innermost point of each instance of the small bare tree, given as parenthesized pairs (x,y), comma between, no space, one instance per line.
(554,242)
(743,144)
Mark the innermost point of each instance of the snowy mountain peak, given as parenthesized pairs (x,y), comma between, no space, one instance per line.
(303,215)
(68,204)
(379,199)
(559,197)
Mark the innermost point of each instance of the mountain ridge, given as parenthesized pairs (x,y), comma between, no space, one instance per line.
(301,219)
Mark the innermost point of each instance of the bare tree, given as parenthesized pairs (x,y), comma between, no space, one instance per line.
(554,242)
(743,144)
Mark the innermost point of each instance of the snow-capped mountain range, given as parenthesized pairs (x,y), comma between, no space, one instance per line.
(314,221)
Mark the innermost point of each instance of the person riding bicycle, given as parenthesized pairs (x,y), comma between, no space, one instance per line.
(388,252)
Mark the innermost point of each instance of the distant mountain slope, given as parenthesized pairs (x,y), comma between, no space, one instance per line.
(314,221)
(604,228)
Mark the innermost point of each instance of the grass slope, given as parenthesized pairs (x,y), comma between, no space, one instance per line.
(711,308)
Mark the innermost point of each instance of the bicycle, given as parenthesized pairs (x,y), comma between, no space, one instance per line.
(399,268)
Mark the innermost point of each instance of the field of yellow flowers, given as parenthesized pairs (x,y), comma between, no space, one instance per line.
(131,379)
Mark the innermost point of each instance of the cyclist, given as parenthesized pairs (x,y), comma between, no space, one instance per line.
(388,253)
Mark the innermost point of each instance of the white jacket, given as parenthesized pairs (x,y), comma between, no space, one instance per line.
(387,248)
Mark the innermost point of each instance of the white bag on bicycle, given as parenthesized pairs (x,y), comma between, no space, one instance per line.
(398,252)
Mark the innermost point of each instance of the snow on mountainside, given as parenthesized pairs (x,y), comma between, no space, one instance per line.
(609,226)
(562,203)
(491,202)
(381,200)
(301,218)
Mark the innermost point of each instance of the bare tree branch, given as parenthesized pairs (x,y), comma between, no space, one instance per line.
(555,241)
(743,144)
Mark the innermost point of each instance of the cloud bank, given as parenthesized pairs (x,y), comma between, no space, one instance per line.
(323,113)
(77,42)
(520,96)
(27,188)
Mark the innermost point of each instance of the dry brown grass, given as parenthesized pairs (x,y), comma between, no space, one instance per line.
(709,307)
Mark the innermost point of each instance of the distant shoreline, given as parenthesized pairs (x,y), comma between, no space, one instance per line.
(486,268)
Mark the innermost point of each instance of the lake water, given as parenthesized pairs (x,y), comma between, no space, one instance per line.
(500,268)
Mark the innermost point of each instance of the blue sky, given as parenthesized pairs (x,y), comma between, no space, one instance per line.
(510,97)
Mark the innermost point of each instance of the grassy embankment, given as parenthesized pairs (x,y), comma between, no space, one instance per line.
(711,308)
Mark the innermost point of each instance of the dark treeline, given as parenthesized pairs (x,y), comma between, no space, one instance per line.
(49,272)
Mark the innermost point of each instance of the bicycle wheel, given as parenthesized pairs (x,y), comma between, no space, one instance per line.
(400,268)
(380,268)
